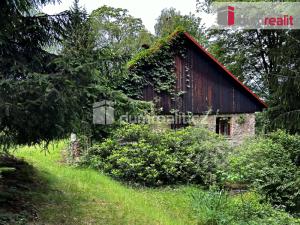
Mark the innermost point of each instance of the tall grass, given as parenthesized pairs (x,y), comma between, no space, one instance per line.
(77,196)
(84,196)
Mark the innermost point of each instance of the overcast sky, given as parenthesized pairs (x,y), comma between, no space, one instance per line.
(147,10)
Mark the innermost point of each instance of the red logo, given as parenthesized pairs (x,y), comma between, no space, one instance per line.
(230,16)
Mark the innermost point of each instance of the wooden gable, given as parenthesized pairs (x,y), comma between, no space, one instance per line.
(205,84)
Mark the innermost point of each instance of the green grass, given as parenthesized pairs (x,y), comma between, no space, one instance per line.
(84,196)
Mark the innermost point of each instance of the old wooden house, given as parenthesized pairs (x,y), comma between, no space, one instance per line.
(222,102)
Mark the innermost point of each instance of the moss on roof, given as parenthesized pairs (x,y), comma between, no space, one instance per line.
(155,48)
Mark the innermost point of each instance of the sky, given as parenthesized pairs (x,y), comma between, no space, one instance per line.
(147,10)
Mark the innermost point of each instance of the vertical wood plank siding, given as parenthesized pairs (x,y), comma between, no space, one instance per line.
(205,86)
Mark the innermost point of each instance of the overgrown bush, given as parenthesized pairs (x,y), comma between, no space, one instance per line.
(218,208)
(290,143)
(270,164)
(140,155)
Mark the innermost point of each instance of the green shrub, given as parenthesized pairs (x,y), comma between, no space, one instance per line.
(270,165)
(290,143)
(140,155)
(218,208)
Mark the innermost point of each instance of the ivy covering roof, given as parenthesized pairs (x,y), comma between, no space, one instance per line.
(145,53)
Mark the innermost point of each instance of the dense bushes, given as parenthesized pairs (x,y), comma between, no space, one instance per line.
(219,208)
(290,143)
(271,165)
(137,154)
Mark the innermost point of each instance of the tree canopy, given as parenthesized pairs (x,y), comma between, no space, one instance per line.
(119,36)
(27,98)
(170,19)
(45,96)
(268,62)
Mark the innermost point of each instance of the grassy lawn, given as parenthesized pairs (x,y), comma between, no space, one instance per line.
(84,196)
(67,195)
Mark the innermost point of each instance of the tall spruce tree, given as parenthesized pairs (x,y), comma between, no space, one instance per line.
(97,65)
(32,94)
(78,62)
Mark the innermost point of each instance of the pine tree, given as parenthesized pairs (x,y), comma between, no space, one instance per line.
(32,105)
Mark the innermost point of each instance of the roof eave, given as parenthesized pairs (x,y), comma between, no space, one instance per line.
(190,38)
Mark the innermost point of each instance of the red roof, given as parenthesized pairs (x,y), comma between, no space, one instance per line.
(200,48)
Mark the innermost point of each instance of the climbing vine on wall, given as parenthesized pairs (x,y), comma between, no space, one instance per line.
(156,66)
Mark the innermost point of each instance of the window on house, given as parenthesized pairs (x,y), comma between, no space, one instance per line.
(223,126)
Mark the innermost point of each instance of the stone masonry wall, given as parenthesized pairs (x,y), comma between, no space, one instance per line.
(242,126)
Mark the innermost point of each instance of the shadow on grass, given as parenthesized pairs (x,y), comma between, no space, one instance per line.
(25,191)
(18,181)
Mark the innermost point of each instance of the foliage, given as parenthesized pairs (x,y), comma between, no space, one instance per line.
(116,28)
(118,36)
(138,154)
(170,19)
(53,105)
(218,207)
(40,99)
(24,32)
(284,111)
(290,143)
(92,60)
(271,165)
(26,86)
(78,62)
(41,105)
(241,119)
(267,61)
(262,123)
(72,189)
(77,196)
(156,66)
(44,96)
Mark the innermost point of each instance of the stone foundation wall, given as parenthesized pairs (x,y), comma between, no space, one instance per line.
(242,126)
(241,131)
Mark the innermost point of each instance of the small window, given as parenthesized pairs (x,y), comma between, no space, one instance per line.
(223,126)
